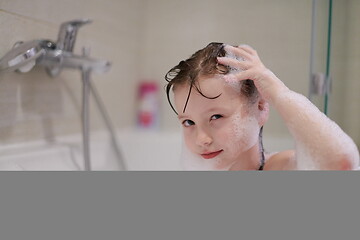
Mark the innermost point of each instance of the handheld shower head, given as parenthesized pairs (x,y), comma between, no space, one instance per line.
(23,56)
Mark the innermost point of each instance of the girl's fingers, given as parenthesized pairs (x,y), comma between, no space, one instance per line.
(234,63)
(238,52)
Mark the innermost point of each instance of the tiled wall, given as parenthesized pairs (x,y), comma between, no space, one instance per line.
(144,38)
(32,102)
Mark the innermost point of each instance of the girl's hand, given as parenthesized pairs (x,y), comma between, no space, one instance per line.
(249,66)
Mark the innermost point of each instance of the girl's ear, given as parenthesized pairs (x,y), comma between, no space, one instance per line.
(263,107)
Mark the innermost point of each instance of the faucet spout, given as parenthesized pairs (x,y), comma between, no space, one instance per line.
(56,60)
(85,63)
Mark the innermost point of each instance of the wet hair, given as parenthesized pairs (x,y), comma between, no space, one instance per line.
(203,63)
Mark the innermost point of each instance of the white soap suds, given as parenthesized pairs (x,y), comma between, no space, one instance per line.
(230,78)
(244,129)
(244,133)
(323,140)
(233,82)
(233,56)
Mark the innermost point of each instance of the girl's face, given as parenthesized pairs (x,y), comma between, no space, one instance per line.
(224,131)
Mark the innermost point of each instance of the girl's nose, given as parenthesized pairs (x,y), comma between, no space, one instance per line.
(203,139)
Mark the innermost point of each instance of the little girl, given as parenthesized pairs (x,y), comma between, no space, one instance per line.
(222,95)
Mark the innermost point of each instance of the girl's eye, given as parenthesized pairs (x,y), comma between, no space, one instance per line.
(188,123)
(216,116)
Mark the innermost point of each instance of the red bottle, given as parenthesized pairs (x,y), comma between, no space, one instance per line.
(148,105)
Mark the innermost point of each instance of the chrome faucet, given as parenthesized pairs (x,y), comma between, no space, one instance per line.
(62,56)
(54,56)
(57,56)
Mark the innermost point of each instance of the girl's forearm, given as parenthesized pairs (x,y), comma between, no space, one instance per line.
(320,142)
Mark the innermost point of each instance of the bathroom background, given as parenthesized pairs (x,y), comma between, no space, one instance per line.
(40,116)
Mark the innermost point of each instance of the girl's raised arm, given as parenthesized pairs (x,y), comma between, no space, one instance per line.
(320,143)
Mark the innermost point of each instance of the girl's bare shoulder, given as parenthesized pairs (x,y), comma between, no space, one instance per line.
(284,160)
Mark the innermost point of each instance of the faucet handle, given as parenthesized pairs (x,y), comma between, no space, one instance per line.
(67,34)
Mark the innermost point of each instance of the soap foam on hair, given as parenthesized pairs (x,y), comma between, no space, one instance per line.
(232,82)
(230,78)
(233,56)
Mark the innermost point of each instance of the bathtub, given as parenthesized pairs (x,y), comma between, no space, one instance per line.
(141,151)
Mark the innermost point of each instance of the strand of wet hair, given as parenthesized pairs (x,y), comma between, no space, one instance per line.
(262,160)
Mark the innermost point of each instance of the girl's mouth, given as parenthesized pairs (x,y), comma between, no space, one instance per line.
(211,154)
